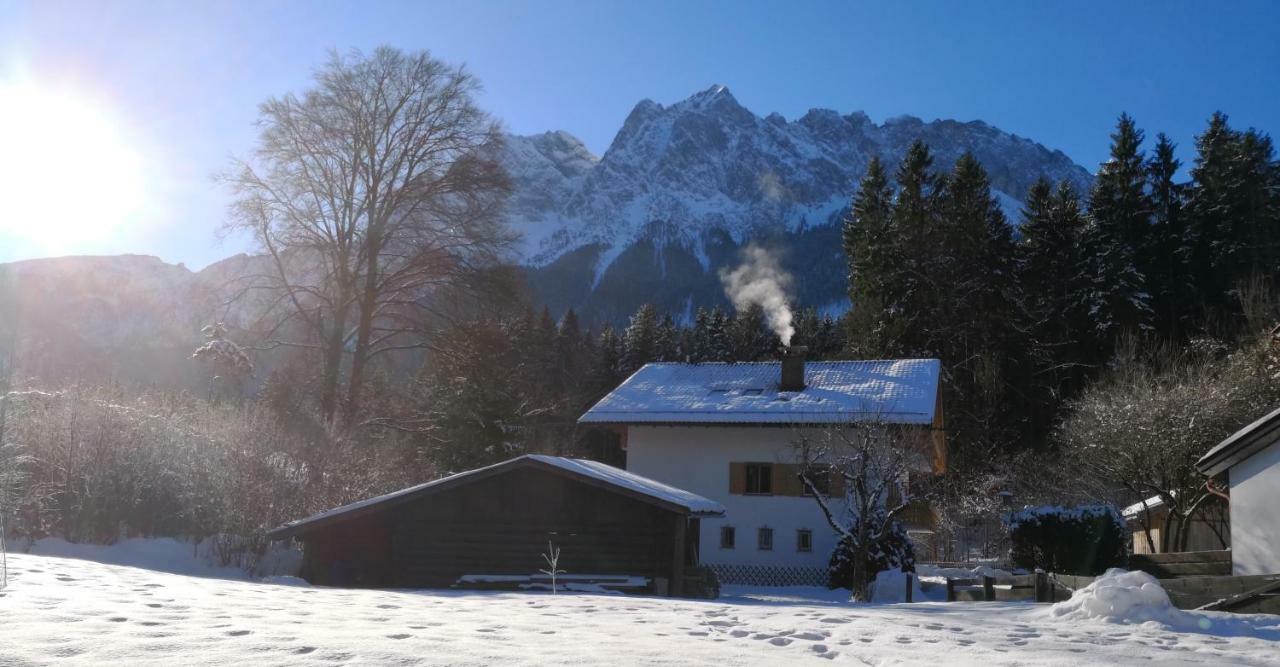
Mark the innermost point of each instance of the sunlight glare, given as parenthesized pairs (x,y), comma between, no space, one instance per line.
(68,173)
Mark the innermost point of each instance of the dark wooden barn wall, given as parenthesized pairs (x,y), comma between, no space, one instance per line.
(498,525)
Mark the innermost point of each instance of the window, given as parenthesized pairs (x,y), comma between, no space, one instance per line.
(760,478)
(804,540)
(726,537)
(764,539)
(821,479)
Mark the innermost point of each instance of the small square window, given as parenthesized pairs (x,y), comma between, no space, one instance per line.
(764,539)
(727,537)
(760,478)
(804,540)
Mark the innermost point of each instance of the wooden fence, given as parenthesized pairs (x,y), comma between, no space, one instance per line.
(1249,595)
(1184,564)
(1036,587)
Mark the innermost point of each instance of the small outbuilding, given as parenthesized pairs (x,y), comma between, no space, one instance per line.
(496,522)
(1250,459)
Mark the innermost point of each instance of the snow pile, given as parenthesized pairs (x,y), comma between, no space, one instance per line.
(891,586)
(1126,597)
(166,554)
(284,580)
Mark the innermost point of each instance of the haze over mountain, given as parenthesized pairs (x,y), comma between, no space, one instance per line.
(682,187)
(677,194)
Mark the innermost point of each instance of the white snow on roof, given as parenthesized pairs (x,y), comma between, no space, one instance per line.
(1132,511)
(692,502)
(902,391)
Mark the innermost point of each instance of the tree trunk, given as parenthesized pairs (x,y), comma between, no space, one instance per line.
(332,367)
(1167,530)
(364,333)
(861,554)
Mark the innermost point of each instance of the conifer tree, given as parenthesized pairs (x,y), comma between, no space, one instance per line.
(1167,277)
(719,343)
(641,339)
(699,337)
(667,345)
(1233,217)
(916,245)
(876,282)
(1116,240)
(1048,266)
(608,369)
(750,337)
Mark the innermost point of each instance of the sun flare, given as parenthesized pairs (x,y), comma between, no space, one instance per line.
(68,171)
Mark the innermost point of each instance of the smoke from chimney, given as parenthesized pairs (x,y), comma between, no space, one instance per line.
(761,280)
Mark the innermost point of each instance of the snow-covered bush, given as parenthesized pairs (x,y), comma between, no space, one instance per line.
(894,553)
(1082,540)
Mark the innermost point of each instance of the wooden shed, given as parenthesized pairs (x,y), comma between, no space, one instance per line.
(497,521)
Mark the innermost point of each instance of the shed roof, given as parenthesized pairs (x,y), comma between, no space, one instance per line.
(1241,445)
(899,391)
(590,472)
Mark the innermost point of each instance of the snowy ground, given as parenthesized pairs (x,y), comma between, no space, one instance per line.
(65,611)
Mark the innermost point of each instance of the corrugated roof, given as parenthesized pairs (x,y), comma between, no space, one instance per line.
(592,471)
(901,391)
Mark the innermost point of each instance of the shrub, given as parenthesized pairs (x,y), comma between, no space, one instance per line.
(1084,540)
(99,464)
(895,551)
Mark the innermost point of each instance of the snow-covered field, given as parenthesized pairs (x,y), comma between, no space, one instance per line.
(61,610)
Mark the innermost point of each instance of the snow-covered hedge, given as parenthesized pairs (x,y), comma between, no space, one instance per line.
(1083,540)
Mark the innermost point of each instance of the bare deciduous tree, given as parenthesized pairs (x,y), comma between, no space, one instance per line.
(858,474)
(372,191)
(1139,433)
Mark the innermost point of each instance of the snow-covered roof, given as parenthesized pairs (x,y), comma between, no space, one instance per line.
(1241,445)
(902,391)
(1132,511)
(594,472)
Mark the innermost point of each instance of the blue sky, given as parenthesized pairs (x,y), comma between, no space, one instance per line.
(186,77)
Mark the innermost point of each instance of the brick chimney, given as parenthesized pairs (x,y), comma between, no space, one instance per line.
(793,369)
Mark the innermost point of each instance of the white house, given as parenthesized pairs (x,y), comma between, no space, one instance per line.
(728,432)
(1251,460)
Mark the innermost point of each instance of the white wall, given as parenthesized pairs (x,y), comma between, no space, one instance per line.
(696,458)
(1255,513)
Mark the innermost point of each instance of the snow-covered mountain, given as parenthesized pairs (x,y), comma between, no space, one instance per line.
(682,187)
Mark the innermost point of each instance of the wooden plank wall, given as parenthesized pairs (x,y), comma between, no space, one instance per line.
(1184,564)
(501,525)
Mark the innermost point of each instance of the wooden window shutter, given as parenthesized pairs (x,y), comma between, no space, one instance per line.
(786,481)
(837,484)
(738,478)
